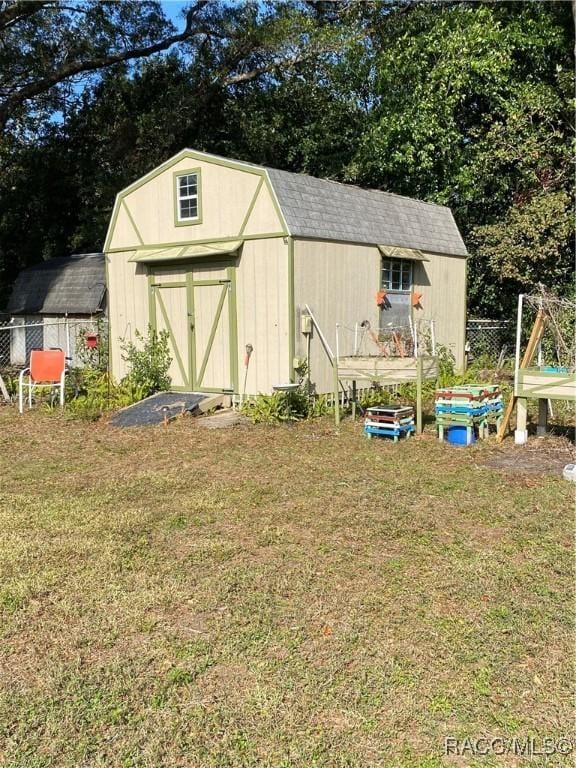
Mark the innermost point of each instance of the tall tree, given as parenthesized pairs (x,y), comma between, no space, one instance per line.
(87,108)
(472,108)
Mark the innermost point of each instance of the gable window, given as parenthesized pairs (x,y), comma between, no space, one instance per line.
(396,274)
(188,197)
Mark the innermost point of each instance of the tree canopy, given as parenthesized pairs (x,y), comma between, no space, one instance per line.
(466,104)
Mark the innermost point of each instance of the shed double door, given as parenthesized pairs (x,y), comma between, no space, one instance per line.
(196,305)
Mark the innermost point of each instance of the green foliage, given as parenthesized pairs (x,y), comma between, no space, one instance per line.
(91,392)
(95,393)
(281,407)
(72,138)
(149,360)
(465,104)
(277,408)
(473,108)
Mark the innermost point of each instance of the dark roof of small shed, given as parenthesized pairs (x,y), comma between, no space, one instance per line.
(74,285)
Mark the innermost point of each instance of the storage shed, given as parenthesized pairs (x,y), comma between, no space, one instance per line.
(223,254)
(52,301)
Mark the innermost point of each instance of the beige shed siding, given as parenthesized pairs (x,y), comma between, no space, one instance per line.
(146,215)
(442,283)
(263,217)
(127,304)
(339,281)
(125,233)
(262,301)
(262,311)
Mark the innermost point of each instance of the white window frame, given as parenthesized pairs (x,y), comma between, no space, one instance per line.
(180,219)
(386,282)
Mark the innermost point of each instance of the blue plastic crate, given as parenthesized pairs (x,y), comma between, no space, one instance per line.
(389,431)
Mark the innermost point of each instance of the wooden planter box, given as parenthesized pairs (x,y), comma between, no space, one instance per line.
(547,385)
(386,370)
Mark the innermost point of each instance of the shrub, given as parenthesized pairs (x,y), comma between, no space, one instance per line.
(149,361)
(97,393)
(287,406)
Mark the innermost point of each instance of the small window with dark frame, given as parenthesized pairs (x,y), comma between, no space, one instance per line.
(187,187)
(397,274)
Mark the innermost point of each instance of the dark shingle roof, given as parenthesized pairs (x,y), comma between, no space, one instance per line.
(65,285)
(329,210)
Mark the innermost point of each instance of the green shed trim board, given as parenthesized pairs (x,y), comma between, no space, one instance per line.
(186,253)
(206,241)
(131,219)
(251,206)
(291,312)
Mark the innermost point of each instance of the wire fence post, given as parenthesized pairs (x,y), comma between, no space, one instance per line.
(419,373)
(67,327)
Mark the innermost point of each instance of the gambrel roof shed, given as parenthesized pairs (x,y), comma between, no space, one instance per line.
(329,210)
(223,254)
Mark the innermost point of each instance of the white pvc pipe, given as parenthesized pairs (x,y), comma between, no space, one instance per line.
(518,341)
(540,358)
(414,334)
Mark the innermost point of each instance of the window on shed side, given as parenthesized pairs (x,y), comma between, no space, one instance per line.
(188,196)
(397,274)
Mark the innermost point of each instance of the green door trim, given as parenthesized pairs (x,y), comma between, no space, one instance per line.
(233,324)
(194,377)
(160,301)
(215,323)
(191,310)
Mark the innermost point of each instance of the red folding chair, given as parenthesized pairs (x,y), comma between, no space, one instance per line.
(47,369)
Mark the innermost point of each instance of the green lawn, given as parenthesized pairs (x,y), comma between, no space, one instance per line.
(281,597)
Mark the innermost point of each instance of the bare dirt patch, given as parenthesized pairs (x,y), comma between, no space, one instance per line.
(540,456)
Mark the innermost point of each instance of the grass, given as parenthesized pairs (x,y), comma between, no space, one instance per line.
(278,597)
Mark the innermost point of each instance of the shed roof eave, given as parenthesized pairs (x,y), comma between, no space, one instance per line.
(300,237)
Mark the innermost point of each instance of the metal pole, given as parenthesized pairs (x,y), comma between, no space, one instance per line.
(67,326)
(336,396)
(325,344)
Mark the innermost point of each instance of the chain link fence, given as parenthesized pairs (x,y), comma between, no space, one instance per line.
(489,338)
(76,336)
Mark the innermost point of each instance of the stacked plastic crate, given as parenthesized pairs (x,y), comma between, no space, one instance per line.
(467,410)
(392,421)
(494,404)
